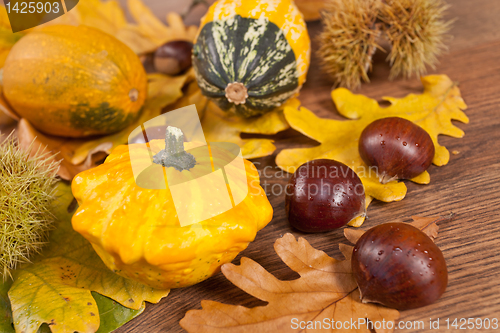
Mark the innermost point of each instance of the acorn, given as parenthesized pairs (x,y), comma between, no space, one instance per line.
(399,266)
(27,181)
(352,29)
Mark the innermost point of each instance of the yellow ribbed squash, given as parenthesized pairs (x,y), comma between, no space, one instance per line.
(136,231)
(74,81)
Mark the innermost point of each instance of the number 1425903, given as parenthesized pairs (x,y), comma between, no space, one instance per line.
(33,7)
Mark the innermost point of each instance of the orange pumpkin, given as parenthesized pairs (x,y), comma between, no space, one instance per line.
(74,81)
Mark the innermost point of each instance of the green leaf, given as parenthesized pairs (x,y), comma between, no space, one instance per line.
(5,311)
(56,288)
(112,314)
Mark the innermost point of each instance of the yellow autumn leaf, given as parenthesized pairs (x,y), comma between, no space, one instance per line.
(153,29)
(164,90)
(106,16)
(224,127)
(145,35)
(192,95)
(56,288)
(433,110)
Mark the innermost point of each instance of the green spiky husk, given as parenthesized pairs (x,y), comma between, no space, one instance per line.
(415,29)
(27,180)
(349,39)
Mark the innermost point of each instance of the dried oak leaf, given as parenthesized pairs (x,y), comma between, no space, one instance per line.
(56,287)
(222,126)
(325,291)
(433,110)
(311,9)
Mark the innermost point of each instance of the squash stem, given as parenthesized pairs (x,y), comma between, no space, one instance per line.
(236,93)
(174,154)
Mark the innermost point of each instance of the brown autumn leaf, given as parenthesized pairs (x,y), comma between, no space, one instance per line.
(311,9)
(27,135)
(7,115)
(325,291)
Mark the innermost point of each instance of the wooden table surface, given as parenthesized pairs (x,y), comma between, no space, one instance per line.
(467,186)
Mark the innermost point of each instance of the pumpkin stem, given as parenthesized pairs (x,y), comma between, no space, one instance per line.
(236,93)
(174,154)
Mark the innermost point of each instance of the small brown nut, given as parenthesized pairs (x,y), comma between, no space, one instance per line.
(173,58)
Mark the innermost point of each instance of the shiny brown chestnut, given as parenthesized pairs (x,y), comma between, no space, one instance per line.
(398,148)
(399,266)
(323,195)
(173,57)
